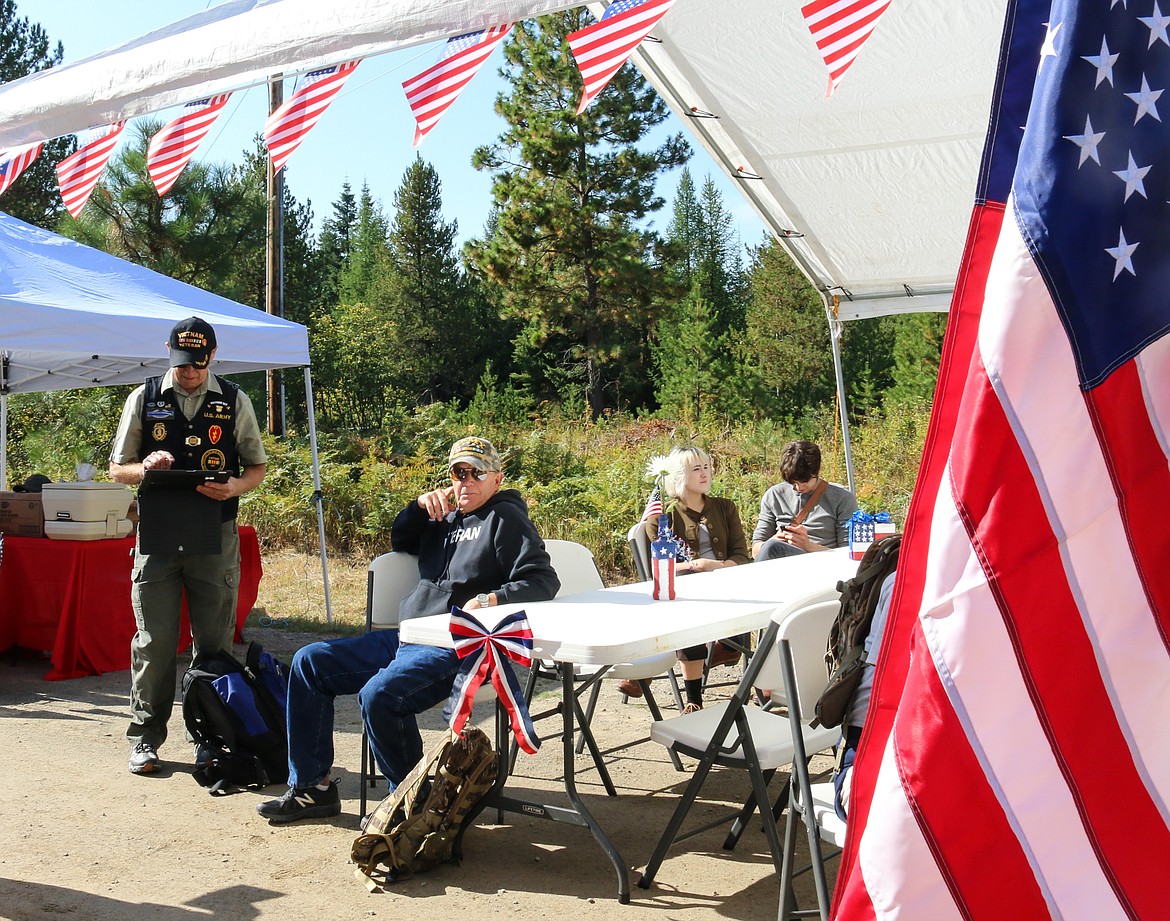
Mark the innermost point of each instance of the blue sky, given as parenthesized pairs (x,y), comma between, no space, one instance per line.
(366,134)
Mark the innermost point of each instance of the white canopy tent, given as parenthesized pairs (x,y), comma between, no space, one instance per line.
(74,317)
(869,190)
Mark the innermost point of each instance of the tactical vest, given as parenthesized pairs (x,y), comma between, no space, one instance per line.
(206,442)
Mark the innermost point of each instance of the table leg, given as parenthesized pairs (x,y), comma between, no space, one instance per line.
(568,708)
(579,814)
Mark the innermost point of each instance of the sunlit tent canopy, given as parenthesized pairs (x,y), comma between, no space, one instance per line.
(869,190)
(73,317)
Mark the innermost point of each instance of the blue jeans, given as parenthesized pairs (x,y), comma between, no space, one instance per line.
(393,681)
(777,549)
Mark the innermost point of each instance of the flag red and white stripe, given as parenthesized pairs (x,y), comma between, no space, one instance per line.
(15,161)
(78,174)
(840,28)
(653,505)
(287,126)
(1015,762)
(431,93)
(173,146)
(602,48)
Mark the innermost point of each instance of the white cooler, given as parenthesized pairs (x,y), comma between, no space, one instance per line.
(86,511)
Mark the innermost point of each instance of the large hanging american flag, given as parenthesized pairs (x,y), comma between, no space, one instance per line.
(287,126)
(432,92)
(15,161)
(602,48)
(78,173)
(840,28)
(1016,763)
(174,145)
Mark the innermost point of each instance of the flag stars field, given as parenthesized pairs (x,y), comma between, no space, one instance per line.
(1087,142)
(1146,100)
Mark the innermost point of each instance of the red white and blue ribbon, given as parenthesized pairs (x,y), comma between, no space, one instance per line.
(485,655)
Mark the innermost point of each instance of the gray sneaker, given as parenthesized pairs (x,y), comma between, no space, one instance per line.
(143,759)
(302,803)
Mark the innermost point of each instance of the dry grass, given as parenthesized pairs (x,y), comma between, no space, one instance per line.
(293,590)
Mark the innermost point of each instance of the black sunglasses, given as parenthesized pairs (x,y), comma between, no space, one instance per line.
(462,473)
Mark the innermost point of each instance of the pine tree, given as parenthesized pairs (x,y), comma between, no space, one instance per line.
(334,244)
(567,254)
(917,348)
(24,50)
(695,343)
(205,231)
(368,250)
(441,329)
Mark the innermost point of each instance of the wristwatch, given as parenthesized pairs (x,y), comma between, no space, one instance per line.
(484,599)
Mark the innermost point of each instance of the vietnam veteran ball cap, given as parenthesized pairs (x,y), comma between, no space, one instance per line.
(192,342)
(479,452)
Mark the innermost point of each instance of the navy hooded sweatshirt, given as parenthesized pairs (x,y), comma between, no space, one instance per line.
(493,549)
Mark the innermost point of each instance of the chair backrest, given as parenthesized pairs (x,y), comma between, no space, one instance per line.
(640,549)
(575,567)
(390,578)
(805,623)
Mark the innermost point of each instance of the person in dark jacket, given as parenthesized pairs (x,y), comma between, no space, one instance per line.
(476,548)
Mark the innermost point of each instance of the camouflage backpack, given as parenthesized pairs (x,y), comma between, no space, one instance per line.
(407,836)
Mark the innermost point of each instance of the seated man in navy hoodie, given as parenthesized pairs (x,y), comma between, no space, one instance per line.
(476,548)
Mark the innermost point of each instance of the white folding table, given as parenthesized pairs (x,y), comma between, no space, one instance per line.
(616,625)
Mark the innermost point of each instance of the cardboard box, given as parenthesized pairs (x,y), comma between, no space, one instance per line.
(21,514)
(864,533)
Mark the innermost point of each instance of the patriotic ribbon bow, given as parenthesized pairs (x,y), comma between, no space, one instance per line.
(866,518)
(485,655)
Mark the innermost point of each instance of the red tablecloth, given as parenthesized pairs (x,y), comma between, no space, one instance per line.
(73,597)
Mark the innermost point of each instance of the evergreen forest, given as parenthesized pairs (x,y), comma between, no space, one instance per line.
(566,329)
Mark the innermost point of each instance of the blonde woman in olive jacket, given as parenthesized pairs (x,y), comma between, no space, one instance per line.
(713,533)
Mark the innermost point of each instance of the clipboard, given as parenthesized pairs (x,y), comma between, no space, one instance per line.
(173,517)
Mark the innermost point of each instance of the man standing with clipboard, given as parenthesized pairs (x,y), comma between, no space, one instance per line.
(187,420)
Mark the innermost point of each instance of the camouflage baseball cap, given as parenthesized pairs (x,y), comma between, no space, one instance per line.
(479,452)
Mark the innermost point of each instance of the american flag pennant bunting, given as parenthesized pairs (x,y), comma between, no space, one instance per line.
(485,656)
(78,174)
(602,48)
(432,92)
(287,126)
(840,28)
(174,145)
(1023,685)
(15,161)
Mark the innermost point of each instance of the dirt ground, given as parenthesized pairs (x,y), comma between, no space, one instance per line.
(81,837)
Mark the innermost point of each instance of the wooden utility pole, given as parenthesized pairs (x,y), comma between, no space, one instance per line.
(274,262)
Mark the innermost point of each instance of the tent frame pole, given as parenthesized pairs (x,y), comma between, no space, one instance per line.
(835,329)
(317,495)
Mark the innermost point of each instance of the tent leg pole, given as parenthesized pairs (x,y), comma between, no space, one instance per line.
(3,441)
(835,339)
(317,499)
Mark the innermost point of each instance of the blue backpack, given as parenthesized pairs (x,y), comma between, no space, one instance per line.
(237,712)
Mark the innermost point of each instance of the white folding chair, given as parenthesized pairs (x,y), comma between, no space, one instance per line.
(640,550)
(389,578)
(812,804)
(735,734)
(577,570)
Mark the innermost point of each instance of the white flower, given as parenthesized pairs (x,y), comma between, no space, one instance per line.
(658,467)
